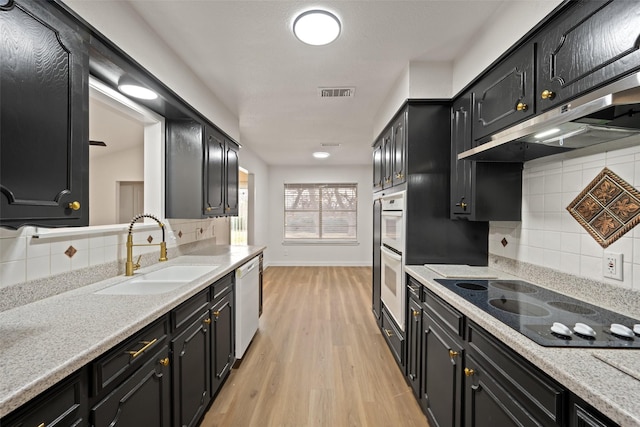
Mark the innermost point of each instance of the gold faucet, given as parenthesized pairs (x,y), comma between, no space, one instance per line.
(130,266)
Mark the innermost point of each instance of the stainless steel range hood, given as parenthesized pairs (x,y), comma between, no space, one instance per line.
(606,114)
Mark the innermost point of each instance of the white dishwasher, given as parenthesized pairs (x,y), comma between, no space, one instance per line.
(247,304)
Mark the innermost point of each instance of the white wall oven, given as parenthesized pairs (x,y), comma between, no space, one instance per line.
(392,291)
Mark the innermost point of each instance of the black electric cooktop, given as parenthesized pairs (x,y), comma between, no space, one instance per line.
(547,317)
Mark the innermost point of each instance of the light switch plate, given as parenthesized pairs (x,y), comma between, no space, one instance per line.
(612,265)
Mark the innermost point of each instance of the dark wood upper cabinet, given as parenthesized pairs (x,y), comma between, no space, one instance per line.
(506,95)
(588,44)
(44,137)
(399,163)
(377,165)
(201,171)
(387,158)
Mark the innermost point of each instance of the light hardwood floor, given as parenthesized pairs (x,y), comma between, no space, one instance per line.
(318,358)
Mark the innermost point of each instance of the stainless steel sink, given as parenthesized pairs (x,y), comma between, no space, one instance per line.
(158,282)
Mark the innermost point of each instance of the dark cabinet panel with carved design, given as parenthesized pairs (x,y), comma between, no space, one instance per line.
(506,95)
(44,137)
(414,350)
(222,340)
(399,163)
(202,171)
(377,166)
(143,399)
(387,159)
(480,191)
(588,44)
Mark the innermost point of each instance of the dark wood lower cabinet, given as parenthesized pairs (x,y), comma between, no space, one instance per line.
(144,399)
(441,379)
(191,364)
(222,340)
(414,352)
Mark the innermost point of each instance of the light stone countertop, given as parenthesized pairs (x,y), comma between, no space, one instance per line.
(602,377)
(43,342)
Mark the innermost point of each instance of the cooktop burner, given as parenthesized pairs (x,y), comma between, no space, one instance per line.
(547,317)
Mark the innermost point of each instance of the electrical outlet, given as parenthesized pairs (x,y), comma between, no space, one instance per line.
(612,265)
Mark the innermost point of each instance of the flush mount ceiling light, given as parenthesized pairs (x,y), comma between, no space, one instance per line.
(321,154)
(316,27)
(130,87)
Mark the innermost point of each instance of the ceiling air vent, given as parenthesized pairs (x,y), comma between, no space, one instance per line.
(336,92)
(330,144)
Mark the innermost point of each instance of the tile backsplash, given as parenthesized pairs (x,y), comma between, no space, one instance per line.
(24,257)
(549,236)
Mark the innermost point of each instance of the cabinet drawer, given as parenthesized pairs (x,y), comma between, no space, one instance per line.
(530,387)
(128,356)
(61,406)
(222,287)
(188,310)
(449,318)
(394,337)
(414,288)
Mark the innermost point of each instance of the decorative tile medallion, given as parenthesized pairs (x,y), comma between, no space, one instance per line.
(149,239)
(504,242)
(180,234)
(607,208)
(70,252)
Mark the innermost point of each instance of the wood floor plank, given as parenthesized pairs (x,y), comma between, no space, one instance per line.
(318,358)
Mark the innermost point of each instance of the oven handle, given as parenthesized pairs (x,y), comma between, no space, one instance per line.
(391,213)
(391,254)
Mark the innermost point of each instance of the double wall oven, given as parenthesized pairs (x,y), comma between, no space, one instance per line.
(392,247)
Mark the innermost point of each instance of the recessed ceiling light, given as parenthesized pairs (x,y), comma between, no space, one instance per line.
(546,133)
(316,27)
(321,154)
(130,87)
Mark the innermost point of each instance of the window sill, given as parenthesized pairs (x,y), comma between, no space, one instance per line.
(320,243)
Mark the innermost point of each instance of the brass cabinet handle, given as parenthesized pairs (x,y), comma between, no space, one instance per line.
(463,205)
(216,313)
(453,353)
(469,372)
(399,176)
(547,94)
(41,425)
(164,362)
(522,106)
(207,321)
(147,344)
(388,332)
(74,205)
(209,209)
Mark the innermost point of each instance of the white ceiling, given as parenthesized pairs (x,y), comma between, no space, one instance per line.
(247,55)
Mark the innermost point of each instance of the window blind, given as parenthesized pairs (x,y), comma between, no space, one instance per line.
(326,212)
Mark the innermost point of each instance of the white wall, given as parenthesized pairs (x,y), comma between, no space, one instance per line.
(306,255)
(104,173)
(549,236)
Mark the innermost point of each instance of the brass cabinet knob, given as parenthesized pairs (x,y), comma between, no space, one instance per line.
(463,205)
(74,205)
(453,353)
(469,372)
(415,313)
(216,313)
(209,209)
(164,362)
(41,425)
(388,332)
(522,106)
(547,94)
(207,321)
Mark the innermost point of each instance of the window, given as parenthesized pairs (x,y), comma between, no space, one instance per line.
(325,212)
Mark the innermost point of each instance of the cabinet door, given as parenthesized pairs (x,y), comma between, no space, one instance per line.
(214,173)
(231,182)
(461,170)
(377,261)
(506,95)
(399,150)
(44,137)
(414,348)
(387,159)
(587,45)
(144,399)
(191,364)
(184,169)
(442,357)
(488,404)
(377,166)
(222,340)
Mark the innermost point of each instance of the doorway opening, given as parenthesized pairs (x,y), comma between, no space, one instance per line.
(239,224)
